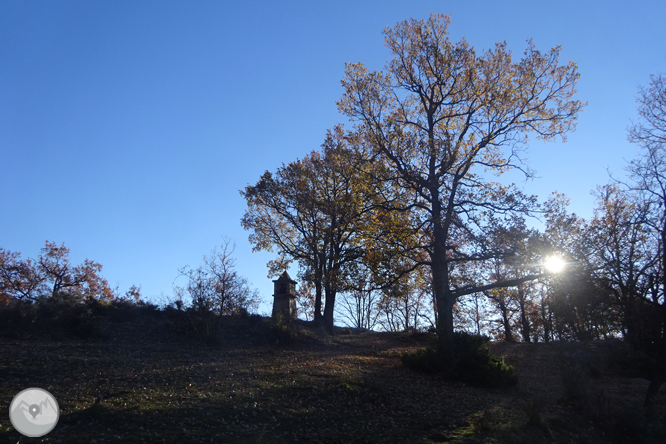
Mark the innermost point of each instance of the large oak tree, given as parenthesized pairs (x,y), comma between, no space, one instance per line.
(318,211)
(444,116)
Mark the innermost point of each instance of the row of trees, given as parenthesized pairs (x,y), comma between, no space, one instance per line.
(580,303)
(214,287)
(406,203)
(407,188)
(52,275)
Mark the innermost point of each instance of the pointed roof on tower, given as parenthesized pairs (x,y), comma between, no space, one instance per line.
(284,277)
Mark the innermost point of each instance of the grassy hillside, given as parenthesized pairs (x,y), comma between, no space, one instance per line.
(136,382)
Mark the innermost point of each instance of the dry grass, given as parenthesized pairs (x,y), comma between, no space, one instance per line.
(316,389)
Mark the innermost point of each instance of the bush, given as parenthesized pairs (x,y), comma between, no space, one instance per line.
(281,330)
(474,363)
(423,360)
(16,320)
(54,319)
(254,319)
(193,326)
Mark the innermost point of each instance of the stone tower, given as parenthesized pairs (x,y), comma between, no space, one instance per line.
(284,297)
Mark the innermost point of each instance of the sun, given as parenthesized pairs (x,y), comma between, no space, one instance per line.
(554,264)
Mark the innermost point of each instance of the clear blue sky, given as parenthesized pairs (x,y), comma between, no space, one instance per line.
(127,128)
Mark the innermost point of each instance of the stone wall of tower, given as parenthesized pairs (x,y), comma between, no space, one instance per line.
(284,297)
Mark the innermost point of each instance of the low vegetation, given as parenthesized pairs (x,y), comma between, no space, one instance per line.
(475,364)
(145,376)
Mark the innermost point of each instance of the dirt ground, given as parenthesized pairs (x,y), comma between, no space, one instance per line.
(345,388)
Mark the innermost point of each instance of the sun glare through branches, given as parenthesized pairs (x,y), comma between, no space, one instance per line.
(554,264)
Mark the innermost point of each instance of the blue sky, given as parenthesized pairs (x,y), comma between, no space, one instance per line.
(127,128)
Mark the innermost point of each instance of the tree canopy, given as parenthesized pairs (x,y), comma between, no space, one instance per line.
(443,116)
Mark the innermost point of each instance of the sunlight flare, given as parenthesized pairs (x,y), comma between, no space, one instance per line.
(554,264)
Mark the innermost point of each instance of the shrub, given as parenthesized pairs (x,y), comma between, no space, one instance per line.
(474,363)
(423,359)
(254,319)
(281,330)
(55,319)
(16,320)
(80,320)
(202,326)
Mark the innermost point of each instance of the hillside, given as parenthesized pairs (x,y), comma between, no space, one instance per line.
(140,385)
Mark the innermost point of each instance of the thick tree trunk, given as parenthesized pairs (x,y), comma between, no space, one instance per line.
(444,299)
(445,340)
(329,308)
(317,304)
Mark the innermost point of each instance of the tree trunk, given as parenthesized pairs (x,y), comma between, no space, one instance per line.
(660,367)
(545,318)
(328,309)
(317,304)
(524,320)
(444,297)
(445,300)
(508,336)
(658,376)
(660,364)
(652,390)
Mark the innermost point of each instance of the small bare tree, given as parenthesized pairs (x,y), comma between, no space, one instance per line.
(216,287)
(407,305)
(359,307)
